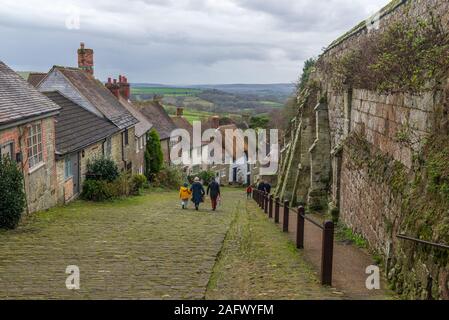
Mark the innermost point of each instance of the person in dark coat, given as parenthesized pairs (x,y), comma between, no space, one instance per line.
(267,187)
(197,193)
(214,191)
(261,186)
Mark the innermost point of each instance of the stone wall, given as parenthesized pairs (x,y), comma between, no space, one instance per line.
(40,182)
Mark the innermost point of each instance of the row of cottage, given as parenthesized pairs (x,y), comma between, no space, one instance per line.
(52,124)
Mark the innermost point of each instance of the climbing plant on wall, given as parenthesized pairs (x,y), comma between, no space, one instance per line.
(408,56)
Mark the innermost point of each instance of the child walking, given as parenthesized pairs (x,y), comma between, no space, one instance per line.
(249,191)
(184,194)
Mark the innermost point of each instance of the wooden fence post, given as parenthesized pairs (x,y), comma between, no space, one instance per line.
(276,210)
(286,215)
(300,228)
(270,209)
(327,253)
(267,198)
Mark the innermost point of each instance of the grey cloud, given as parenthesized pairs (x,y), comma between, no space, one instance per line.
(178,41)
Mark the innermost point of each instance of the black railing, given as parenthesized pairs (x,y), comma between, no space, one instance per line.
(271,205)
(436,245)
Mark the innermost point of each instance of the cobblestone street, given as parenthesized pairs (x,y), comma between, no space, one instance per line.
(148,248)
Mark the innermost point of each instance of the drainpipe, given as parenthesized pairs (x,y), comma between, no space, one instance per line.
(22,166)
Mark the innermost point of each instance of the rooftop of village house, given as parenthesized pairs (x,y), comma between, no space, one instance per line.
(19,100)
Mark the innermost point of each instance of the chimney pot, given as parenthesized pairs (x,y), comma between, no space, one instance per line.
(179,111)
(109,80)
(115,81)
(82,45)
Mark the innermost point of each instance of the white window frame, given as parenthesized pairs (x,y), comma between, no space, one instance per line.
(107,148)
(9,144)
(35,148)
(68,168)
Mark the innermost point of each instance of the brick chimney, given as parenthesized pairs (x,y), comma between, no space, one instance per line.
(86,59)
(114,87)
(215,122)
(179,111)
(125,88)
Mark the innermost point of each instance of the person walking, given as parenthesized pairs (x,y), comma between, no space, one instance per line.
(249,191)
(267,187)
(213,190)
(198,193)
(184,195)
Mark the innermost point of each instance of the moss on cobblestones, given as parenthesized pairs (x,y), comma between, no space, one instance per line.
(138,248)
(260,262)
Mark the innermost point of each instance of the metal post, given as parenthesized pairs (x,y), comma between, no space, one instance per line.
(270,209)
(300,228)
(276,210)
(286,215)
(327,253)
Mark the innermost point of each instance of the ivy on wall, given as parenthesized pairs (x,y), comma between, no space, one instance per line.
(408,56)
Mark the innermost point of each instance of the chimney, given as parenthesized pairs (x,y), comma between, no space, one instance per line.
(114,87)
(125,89)
(215,122)
(86,59)
(179,111)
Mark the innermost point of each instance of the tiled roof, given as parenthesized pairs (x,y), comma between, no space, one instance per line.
(156,114)
(34,78)
(77,128)
(143,125)
(99,96)
(19,100)
(183,123)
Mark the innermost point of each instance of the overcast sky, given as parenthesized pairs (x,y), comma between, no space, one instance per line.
(177,41)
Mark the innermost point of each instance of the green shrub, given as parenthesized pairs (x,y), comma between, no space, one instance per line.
(122,186)
(206,176)
(138,182)
(154,158)
(102,169)
(170,178)
(97,190)
(12,196)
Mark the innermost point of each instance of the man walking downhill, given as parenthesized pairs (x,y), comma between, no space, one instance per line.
(214,191)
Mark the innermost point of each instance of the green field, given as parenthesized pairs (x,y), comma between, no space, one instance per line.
(272,104)
(165,91)
(190,114)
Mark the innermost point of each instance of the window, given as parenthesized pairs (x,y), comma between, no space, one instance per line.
(68,168)
(35,154)
(7,150)
(107,148)
(126,137)
(142,142)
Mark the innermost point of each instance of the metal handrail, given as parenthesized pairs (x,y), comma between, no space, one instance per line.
(437,245)
(312,221)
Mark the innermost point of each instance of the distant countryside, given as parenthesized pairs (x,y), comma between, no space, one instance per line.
(233,101)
